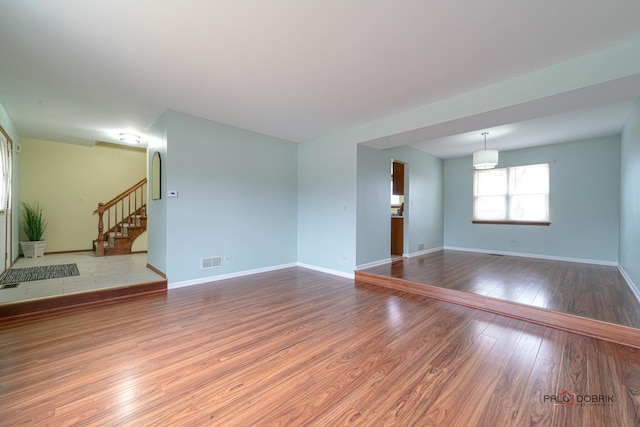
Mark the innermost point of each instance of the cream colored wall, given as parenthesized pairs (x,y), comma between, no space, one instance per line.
(140,244)
(70,180)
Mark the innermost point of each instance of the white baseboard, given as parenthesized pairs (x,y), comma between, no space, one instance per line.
(388,260)
(373,264)
(424,252)
(538,256)
(632,285)
(327,270)
(208,279)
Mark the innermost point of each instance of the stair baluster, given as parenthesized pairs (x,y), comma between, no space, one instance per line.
(128,223)
(100,246)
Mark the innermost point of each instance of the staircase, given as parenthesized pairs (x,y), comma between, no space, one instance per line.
(126,219)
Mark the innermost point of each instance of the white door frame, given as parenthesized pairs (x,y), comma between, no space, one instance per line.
(6,163)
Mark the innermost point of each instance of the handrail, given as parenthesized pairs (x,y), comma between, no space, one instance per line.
(126,209)
(122,195)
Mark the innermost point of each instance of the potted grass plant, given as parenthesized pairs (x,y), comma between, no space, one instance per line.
(33,226)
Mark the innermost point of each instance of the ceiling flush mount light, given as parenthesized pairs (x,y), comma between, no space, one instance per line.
(130,138)
(485,159)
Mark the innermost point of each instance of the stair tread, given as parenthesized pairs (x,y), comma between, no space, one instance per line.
(119,238)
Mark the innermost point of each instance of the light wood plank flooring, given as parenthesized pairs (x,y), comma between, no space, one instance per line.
(296,347)
(587,290)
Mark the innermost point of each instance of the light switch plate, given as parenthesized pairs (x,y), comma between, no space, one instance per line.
(173,193)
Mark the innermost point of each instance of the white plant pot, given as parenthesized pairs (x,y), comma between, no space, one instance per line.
(33,249)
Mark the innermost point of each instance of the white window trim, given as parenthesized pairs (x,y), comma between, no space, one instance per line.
(508,196)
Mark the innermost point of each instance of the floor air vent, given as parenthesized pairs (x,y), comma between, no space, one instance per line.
(212,262)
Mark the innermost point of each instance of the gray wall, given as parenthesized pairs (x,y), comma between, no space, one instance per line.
(237,198)
(630,197)
(584,203)
(327,205)
(423,202)
(425,197)
(373,232)
(157,209)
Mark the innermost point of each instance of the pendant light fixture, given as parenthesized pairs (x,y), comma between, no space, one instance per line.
(485,159)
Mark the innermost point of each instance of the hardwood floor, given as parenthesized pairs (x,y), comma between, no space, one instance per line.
(590,299)
(595,291)
(297,347)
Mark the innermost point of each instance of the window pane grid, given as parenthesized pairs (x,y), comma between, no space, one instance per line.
(491,207)
(515,194)
(492,183)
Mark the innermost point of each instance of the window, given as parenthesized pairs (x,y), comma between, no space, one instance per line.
(515,195)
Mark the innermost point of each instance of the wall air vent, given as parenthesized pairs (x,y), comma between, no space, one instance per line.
(212,262)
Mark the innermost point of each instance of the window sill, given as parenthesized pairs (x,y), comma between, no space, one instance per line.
(543,223)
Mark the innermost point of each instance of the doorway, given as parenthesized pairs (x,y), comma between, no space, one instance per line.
(397,208)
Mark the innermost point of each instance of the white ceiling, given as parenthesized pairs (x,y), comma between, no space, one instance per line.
(571,126)
(84,70)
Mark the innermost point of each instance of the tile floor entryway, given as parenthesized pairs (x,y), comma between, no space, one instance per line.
(95,273)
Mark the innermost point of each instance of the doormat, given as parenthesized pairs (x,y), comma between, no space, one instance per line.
(17,275)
